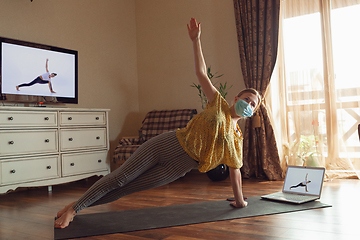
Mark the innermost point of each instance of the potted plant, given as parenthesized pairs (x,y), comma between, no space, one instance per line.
(222,88)
(305,152)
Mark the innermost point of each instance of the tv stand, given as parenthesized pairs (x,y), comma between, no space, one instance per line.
(48,146)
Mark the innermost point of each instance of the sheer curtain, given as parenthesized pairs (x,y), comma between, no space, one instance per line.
(318,106)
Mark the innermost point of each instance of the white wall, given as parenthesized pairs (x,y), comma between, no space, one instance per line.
(134,55)
(165,57)
(104,34)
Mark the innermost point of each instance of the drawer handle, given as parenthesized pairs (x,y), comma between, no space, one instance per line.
(48,167)
(70,139)
(72,164)
(97,138)
(97,118)
(69,118)
(46,118)
(11,142)
(99,161)
(12,171)
(10,118)
(47,140)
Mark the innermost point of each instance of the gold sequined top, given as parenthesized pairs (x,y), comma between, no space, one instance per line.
(210,137)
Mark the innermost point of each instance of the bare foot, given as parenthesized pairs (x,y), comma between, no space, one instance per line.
(240,205)
(61,212)
(65,219)
(17,88)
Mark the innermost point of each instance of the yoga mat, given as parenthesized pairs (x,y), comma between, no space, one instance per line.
(159,217)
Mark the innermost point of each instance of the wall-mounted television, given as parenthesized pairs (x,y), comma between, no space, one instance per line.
(32,72)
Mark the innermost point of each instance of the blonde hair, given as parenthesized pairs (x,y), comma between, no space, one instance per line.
(255,92)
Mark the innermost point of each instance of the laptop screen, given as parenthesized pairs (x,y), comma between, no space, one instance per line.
(304,180)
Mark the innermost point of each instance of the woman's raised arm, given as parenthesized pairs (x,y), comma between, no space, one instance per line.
(200,67)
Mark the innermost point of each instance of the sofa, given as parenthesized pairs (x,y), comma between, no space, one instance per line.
(154,123)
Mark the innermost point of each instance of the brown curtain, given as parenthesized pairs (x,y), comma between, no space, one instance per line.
(257,23)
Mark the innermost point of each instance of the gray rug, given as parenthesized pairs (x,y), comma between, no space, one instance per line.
(150,218)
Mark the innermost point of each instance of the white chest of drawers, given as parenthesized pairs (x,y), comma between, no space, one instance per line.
(48,146)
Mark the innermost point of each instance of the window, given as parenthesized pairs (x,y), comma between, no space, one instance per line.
(321,49)
(346,52)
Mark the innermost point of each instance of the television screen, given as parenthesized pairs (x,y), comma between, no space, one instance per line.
(32,69)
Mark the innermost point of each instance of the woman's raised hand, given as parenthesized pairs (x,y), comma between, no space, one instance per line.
(194,29)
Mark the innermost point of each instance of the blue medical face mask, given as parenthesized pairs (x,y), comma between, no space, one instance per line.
(243,109)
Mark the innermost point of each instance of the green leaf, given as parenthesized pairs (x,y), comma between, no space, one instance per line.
(222,88)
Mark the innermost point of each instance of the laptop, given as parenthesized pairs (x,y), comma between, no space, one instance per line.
(301,184)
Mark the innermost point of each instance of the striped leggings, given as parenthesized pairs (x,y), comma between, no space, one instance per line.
(157,162)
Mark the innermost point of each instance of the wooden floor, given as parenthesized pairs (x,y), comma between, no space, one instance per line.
(29,213)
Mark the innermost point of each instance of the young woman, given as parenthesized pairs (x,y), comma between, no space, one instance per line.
(211,138)
(42,79)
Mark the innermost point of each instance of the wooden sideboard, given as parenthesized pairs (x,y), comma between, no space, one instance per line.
(42,146)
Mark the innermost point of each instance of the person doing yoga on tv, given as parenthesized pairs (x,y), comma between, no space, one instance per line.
(211,138)
(42,79)
(302,184)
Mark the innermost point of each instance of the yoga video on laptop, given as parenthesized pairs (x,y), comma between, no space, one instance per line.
(304,181)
